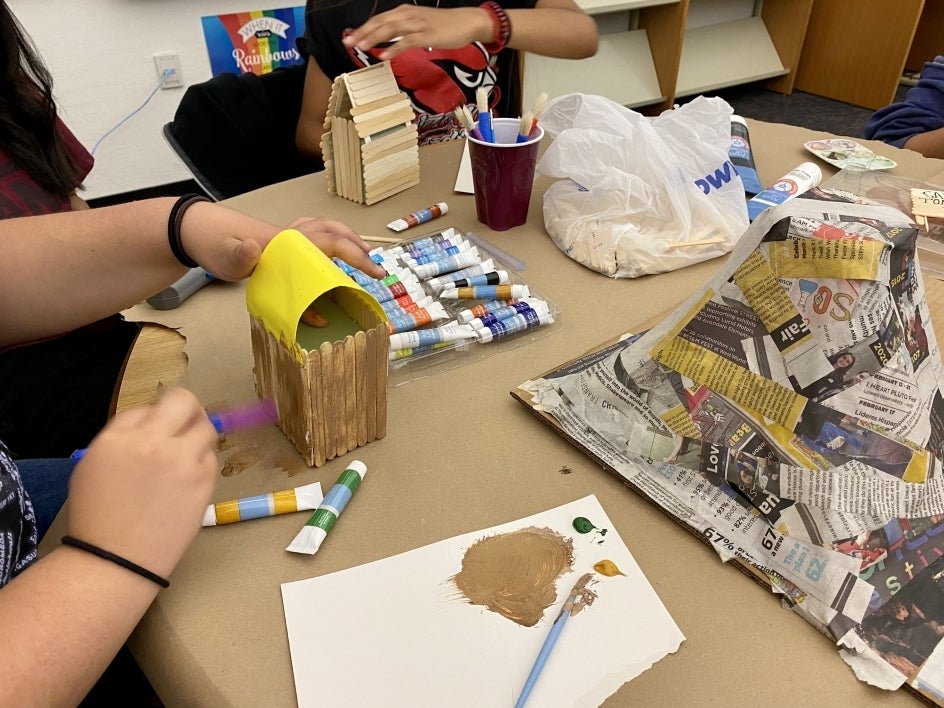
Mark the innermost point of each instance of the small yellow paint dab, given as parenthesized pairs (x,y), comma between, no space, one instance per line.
(608,568)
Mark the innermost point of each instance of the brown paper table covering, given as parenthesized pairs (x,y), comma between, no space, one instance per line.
(460,455)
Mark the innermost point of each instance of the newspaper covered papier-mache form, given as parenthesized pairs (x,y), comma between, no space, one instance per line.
(792,414)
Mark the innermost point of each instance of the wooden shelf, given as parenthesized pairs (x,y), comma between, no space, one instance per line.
(727,54)
(599,7)
(656,59)
(623,54)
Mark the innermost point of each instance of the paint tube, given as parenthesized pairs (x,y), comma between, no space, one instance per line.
(518,323)
(741,156)
(432,335)
(303,498)
(419,217)
(405,304)
(396,354)
(382,293)
(798,180)
(446,246)
(313,533)
(447,265)
(417,318)
(438,254)
(437,284)
(496,277)
(466,316)
(486,292)
(538,307)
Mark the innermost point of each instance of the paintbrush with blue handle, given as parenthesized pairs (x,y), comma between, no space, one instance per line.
(251,415)
(552,637)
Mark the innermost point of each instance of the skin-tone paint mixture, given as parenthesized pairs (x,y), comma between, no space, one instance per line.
(514,574)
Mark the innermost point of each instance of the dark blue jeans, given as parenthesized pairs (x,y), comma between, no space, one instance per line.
(47,483)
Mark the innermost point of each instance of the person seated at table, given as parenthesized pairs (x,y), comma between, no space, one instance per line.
(142,487)
(439,54)
(917,122)
(42,167)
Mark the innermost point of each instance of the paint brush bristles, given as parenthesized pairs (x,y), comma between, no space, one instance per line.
(485,118)
(464,117)
(481,99)
(539,105)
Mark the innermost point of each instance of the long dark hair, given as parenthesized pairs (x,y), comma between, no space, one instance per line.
(28,113)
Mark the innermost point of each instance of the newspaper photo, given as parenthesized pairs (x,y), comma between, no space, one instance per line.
(792,414)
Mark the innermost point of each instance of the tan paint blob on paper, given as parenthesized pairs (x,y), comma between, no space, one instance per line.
(515,574)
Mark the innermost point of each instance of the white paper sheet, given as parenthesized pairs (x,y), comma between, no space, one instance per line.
(398,632)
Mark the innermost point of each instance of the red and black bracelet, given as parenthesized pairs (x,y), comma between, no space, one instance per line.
(501,26)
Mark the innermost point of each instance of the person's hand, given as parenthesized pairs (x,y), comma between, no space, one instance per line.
(337,240)
(228,244)
(142,487)
(417,26)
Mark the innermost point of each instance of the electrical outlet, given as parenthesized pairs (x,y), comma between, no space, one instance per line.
(168,62)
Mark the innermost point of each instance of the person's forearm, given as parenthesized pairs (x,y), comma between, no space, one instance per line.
(63,620)
(930,144)
(553,32)
(62,271)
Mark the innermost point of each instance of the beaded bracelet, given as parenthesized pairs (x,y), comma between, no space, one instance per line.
(173,227)
(108,555)
(501,25)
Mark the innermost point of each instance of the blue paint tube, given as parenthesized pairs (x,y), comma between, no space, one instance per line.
(801,178)
(741,156)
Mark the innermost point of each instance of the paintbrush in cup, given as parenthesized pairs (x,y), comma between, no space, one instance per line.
(552,638)
(539,105)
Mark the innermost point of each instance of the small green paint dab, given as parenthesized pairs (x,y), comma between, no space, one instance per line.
(583,525)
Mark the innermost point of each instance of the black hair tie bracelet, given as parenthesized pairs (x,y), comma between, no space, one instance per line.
(173,227)
(123,562)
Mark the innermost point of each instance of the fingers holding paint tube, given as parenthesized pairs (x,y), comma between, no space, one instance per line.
(148,474)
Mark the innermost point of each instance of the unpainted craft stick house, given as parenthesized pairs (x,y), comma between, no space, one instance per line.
(369,142)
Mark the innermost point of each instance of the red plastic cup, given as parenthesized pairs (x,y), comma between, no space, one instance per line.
(503,174)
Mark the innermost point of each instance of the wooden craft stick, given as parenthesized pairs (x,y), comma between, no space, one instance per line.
(330,400)
(382,111)
(381,351)
(356,162)
(382,239)
(379,103)
(697,242)
(376,197)
(360,383)
(370,127)
(350,393)
(370,400)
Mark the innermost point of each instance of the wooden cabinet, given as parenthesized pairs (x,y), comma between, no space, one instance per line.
(648,56)
(855,50)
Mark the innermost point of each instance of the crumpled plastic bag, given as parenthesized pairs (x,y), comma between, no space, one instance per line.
(637,189)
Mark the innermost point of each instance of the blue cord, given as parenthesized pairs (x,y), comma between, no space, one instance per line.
(167,72)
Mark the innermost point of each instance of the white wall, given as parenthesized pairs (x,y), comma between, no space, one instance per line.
(100,53)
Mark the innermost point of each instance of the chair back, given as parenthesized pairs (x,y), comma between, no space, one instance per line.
(236,133)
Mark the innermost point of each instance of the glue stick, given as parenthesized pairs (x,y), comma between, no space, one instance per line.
(798,180)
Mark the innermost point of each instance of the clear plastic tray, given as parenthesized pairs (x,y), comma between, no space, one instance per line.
(454,354)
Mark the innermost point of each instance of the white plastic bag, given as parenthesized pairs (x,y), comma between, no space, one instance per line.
(639,188)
